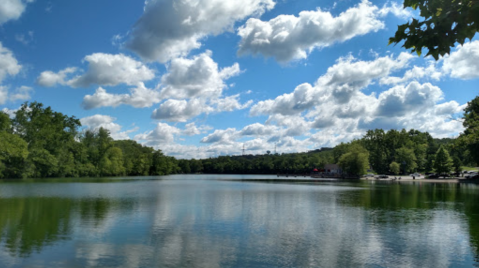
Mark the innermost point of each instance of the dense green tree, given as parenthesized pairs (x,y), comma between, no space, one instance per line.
(111,163)
(13,155)
(356,161)
(395,168)
(137,159)
(5,122)
(443,162)
(470,137)
(457,164)
(374,142)
(407,159)
(339,150)
(50,136)
(430,163)
(163,165)
(196,166)
(444,24)
(184,165)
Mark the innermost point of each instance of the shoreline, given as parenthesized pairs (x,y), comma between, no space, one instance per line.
(420,179)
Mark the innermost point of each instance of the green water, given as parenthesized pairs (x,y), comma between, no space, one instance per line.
(203,221)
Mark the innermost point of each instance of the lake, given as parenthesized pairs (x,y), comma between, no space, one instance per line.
(215,221)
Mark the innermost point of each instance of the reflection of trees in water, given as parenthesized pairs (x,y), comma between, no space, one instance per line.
(257,225)
(29,224)
(470,199)
(401,204)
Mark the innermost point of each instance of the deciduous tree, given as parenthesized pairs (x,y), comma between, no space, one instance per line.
(356,161)
(443,24)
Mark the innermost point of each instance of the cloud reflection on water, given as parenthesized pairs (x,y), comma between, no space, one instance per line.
(225,224)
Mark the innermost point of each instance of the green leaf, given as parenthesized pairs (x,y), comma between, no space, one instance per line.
(438,12)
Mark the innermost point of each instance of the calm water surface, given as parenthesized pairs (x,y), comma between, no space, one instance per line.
(202,221)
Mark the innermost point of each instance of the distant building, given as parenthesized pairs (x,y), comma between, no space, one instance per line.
(332,169)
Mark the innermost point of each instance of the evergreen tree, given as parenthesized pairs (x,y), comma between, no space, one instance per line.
(443,162)
(457,164)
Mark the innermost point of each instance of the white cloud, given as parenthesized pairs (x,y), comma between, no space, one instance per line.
(416,73)
(196,77)
(190,87)
(341,82)
(287,37)
(22,93)
(9,65)
(397,10)
(50,79)
(231,103)
(191,129)
(335,109)
(102,98)
(464,62)
(12,9)
(258,129)
(103,69)
(400,100)
(98,121)
(180,110)
(221,136)
(162,134)
(3,94)
(139,97)
(169,29)
(10,112)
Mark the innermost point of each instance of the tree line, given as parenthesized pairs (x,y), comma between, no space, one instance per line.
(39,143)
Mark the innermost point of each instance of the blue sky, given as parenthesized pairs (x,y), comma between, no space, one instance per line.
(202,78)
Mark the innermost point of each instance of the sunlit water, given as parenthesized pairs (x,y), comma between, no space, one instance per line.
(204,221)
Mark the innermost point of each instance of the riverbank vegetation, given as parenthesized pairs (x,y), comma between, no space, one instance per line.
(39,143)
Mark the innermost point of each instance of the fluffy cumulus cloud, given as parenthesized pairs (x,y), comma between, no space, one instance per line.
(162,134)
(180,110)
(194,86)
(139,97)
(196,77)
(258,130)
(9,65)
(221,136)
(50,79)
(288,37)
(103,69)
(3,94)
(190,87)
(430,72)
(230,103)
(464,62)
(12,9)
(413,98)
(98,121)
(169,29)
(192,129)
(22,93)
(341,83)
(335,109)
